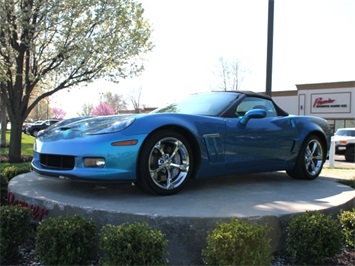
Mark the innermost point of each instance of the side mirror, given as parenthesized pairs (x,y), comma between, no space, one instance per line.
(254,113)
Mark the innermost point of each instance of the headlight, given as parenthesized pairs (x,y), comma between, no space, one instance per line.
(110,127)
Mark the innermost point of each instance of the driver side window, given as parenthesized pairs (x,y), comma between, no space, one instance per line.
(250,103)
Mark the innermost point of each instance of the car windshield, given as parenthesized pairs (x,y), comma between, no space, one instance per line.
(210,104)
(345,132)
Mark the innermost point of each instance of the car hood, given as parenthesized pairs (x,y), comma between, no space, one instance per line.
(338,138)
(90,126)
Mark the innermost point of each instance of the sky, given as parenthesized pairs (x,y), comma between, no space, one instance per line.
(314,42)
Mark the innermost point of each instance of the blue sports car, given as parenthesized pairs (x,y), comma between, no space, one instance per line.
(204,135)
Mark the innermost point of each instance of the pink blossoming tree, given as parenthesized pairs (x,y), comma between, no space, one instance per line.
(58,113)
(102,109)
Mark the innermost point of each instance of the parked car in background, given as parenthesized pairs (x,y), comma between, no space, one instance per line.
(345,143)
(203,135)
(34,128)
(27,124)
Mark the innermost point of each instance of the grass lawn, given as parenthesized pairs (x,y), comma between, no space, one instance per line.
(27,149)
(27,144)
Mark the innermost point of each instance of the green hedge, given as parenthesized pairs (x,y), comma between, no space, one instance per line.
(132,244)
(66,241)
(347,222)
(238,243)
(15,228)
(313,237)
(6,175)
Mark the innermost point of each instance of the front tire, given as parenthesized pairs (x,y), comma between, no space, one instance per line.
(165,163)
(310,159)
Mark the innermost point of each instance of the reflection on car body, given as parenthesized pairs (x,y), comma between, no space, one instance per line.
(34,128)
(63,123)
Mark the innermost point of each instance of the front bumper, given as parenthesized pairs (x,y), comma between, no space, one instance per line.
(65,158)
(340,149)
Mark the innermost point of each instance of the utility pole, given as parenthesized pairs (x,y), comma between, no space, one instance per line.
(270,37)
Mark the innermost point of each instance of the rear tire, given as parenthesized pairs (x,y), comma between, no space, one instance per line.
(350,154)
(165,163)
(310,159)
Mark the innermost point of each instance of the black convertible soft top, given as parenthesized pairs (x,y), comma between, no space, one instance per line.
(279,110)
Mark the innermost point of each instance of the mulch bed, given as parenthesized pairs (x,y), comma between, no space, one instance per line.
(4,158)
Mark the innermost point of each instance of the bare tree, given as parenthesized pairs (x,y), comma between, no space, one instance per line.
(86,110)
(230,75)
(52,45)
(135,98)
(115,101)
(42,111)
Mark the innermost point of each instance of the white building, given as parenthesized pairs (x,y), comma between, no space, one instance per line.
(333,101)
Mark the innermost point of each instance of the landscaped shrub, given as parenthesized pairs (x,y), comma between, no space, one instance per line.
(313,237)
(4,182)
(12,171)
(132,244)
(15,229)
(7,174)
(238,243)
(66,241)
(347,222)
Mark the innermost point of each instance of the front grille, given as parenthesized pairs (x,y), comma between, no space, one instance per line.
(63,162)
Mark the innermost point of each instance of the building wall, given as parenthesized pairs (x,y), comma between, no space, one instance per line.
(287,100)
(333,101)
(287,103)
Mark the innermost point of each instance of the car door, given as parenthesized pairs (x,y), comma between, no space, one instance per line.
(263,143)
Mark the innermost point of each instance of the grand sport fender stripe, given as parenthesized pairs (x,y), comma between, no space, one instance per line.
(213,135)
(293,125)
(214,147)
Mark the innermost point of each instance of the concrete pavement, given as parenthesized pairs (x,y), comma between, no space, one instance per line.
(185,218)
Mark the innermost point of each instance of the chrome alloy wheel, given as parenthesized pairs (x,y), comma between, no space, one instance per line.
(313,157)
(169,163)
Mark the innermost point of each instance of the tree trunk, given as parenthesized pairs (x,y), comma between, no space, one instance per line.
(3,125)
(15,141)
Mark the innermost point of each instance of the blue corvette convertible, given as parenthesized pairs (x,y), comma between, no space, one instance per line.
(204,135)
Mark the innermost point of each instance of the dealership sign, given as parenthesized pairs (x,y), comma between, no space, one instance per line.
(331,103)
